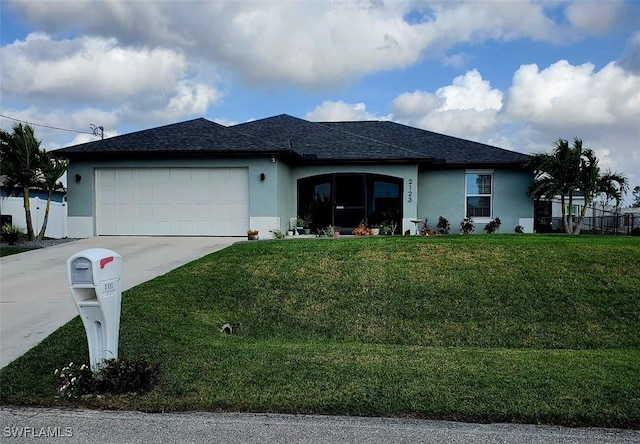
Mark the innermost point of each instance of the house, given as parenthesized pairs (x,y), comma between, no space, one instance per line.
(201,178)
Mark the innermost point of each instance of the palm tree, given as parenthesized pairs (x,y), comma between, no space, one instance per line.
(20,165)
(556,174)
(568,170)
(592,184)
(51,170)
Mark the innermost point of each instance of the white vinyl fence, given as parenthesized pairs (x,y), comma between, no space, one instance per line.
(57,224)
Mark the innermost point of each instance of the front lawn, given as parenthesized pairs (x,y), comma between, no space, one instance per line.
(473,328)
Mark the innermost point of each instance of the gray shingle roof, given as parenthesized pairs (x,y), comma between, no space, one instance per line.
(322,141)
(443,149)
(193,136)
(283,135)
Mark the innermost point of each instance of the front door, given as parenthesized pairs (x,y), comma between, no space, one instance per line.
(349,200)
(345,200)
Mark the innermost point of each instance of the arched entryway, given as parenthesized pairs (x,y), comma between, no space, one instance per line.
(346,199)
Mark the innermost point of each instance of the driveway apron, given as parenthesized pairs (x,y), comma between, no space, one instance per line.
(34,292)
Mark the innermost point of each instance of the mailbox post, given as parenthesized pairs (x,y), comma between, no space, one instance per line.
(94,281)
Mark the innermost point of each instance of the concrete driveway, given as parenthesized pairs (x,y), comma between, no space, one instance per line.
(34,292)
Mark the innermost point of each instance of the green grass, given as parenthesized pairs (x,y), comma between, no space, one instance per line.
(474,328)
(9,250)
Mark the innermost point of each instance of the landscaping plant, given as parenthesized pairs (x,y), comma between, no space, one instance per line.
(11,233)
(443,226)
(467,225)
(493,225)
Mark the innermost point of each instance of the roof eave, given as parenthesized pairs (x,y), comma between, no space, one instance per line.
(188,154)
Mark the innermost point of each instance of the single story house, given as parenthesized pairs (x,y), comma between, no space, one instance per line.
(200,178)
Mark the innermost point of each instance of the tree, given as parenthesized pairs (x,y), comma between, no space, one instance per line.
(636,197)
(568,170)
(593,184)
(51,170)
(555,174)
(20,154)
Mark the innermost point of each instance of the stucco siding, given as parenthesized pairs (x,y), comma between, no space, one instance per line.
(511,202)
(442,193)
(286,207)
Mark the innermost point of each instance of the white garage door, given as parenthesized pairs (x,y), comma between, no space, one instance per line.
(172,201)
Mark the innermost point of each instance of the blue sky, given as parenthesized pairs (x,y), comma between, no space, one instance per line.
(516,74)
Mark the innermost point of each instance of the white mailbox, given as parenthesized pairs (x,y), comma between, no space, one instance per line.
(94,281)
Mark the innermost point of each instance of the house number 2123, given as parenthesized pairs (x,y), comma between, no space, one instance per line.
(410,192)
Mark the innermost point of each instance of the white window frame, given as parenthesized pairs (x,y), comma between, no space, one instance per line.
(490,195)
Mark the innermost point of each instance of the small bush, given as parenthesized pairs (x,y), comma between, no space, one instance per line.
(278,234)
(467,225)
(493,226)
(125,376)
(115,376)
(443,226)
(11,233)
(74,381)
(519,229)
(362,230)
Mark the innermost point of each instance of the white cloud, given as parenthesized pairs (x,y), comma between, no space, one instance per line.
(595,16)
(564,95)
(503,20)
(145,85)
(468,107)
(86,69)
(191,99)
(49,124)
(312,44)
(330,111)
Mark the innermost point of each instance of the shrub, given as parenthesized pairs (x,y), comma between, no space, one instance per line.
(74,381)
(519,229)
(278,234)
(125,376)
(362,230)
(425,230)
(116,376)
(466,225)
(329,231)
(443,226)
(11,233)
(493,226)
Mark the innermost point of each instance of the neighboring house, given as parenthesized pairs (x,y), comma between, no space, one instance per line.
(548,213)
(202,178)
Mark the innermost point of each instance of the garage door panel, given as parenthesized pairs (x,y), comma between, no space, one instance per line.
(172,201)
(143,193)
(164,210)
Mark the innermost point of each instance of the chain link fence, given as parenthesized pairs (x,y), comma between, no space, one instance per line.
(602,222)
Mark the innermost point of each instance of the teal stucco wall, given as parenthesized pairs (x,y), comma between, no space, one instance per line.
(428,193)
(442,193)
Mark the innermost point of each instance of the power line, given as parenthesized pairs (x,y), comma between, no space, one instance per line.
(48,126)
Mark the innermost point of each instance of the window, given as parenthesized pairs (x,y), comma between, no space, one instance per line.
(479,189)
(346,199)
